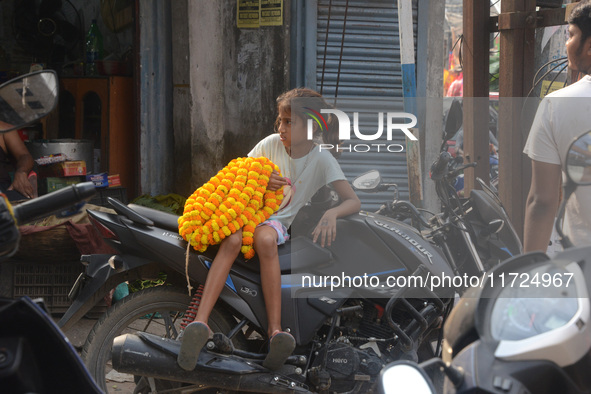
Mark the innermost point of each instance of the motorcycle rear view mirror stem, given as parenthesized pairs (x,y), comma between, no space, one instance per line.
(371,182)
(27,99)
(578,173)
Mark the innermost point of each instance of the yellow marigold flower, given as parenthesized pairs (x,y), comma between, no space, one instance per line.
(254,204)
(210,187)
(236,196)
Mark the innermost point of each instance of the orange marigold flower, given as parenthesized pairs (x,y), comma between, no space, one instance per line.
(249,254)
(247,240)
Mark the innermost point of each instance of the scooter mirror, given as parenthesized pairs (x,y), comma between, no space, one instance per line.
(404,377)
(454,120)
(578,160)
(368,181)
(27,99)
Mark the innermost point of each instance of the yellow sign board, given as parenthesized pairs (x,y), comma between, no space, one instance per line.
(248,13)
(271,13)
(255,13)
(554,86)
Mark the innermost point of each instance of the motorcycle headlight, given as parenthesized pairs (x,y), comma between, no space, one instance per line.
(541,312)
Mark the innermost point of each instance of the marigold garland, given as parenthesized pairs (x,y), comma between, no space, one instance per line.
(235,198)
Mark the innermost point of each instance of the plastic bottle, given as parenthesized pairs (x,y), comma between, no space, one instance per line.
(94,48)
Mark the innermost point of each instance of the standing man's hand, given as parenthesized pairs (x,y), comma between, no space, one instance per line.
(21,184)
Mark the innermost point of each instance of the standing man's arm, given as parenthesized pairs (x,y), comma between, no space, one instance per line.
(24,163)
(541,206)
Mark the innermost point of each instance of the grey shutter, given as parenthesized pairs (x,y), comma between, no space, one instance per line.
(370,74)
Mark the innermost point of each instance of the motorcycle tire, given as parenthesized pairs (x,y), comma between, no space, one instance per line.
(157,310)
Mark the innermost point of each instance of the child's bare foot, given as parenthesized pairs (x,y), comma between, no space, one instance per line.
(194,337)
(281,346)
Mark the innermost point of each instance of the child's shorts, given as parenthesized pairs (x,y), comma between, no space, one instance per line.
(282,234)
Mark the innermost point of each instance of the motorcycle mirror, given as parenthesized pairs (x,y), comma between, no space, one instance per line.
(368,181)
(578,160)
(27,99)
(404,377)
(454,120)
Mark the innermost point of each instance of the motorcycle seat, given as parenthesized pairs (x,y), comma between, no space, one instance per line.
(299,253)
(161,219)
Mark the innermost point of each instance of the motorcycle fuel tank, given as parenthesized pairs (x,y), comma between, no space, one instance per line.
(369,250)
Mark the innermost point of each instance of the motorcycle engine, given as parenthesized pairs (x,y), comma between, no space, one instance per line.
(346,365)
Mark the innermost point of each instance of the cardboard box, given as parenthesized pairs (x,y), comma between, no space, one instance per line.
(52,184)
(65,168)
(114,180)
(99,180)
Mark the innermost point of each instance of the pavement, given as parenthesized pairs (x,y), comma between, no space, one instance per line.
(77,335)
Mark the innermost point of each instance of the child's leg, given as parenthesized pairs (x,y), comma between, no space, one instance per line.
(281,344)
(197,333)
(265,244)
(216,278)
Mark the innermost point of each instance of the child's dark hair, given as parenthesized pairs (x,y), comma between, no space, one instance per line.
(580,16)
(315,101)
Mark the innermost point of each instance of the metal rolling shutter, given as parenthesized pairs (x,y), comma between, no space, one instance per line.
(364,64)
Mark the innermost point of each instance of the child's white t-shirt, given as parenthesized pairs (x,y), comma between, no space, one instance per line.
(308,174)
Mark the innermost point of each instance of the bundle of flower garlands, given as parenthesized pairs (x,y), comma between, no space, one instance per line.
(236,198)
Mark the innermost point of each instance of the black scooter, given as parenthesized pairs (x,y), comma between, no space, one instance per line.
(35,356)
(526,330)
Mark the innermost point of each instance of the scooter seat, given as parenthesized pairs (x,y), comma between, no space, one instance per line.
(161,219)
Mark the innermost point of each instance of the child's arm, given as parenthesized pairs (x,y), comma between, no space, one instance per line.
(326,229)
(276,181)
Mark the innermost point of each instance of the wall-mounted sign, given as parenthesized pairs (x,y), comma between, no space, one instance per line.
(271,13)
(248,14)
(255,13)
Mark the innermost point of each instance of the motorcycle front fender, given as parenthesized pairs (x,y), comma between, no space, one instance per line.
(102,274)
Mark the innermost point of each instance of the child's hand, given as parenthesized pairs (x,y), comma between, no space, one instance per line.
(276,181)
(326,229)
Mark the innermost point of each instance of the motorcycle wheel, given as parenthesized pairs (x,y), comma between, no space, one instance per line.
(157,310)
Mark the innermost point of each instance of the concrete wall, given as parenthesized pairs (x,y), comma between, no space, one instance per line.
(225,81)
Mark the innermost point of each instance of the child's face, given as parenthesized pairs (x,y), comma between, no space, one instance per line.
(292,132)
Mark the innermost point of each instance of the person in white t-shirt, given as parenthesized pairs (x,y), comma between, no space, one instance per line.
(561,117)
(307,169)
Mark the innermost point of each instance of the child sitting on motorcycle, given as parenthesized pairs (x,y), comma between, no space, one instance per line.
(308,169)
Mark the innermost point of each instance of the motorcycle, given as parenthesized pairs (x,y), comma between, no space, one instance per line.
(35,356)
(345,339)
(526,329)
(475,233)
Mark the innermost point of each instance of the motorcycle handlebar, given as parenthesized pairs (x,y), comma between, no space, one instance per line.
(61,199)
(439,167)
